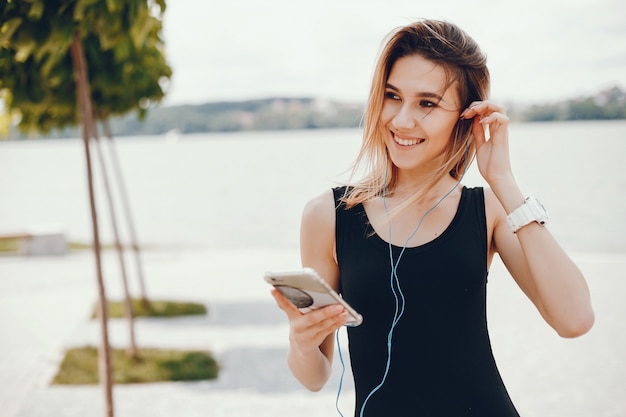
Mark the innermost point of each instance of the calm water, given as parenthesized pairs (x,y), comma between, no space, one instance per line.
(248,189)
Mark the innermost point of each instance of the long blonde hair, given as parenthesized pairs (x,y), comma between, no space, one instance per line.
(464,63)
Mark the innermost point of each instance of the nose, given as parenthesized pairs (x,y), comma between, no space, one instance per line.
(404,118)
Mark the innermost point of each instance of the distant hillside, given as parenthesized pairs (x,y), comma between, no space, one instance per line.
(276,113)
(280,113)
(264,114)
(607,105)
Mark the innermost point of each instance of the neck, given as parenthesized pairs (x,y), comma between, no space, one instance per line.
(407,187)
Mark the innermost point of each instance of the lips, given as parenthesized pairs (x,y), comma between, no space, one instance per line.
(406,140)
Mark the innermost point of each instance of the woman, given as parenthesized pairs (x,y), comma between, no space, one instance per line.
(409,247)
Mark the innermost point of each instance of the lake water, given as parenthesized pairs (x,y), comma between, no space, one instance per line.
(248,189)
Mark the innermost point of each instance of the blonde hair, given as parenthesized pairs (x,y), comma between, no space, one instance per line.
(464,63)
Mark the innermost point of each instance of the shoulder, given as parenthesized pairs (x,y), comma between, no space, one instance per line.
(320,207)
(317,237)
(318,218)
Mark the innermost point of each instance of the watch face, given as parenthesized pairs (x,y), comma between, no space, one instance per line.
(541,205)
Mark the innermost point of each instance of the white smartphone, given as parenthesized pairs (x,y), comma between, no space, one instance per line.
(307,291)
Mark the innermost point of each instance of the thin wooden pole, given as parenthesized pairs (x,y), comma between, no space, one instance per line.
(117,170)
(132,350)
(86,115)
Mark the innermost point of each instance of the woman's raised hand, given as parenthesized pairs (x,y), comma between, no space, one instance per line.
(490,128)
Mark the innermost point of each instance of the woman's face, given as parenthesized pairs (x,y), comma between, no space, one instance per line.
(419,114)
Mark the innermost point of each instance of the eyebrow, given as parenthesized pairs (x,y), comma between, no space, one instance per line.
(427,94)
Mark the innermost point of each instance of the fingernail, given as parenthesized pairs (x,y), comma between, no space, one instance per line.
(336,308)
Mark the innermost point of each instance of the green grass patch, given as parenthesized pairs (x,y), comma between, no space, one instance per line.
(9,245)
(80,366)
(79,246)
(155,308)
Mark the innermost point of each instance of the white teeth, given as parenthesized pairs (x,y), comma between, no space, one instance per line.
(407,142)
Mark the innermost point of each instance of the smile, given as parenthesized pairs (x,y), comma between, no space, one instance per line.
(407,141)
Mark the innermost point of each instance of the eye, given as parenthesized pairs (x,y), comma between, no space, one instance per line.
(392,96)
(427,103)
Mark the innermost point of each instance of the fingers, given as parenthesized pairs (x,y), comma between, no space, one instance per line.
(285,305)
(483,109)
(332,316)
(488,112)
(314,326)
(488,119)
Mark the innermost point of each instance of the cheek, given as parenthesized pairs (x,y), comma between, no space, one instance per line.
(387,113)
(444,126)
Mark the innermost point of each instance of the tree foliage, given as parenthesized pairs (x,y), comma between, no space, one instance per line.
(123,48)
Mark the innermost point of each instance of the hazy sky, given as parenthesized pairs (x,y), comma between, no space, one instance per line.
(538,50)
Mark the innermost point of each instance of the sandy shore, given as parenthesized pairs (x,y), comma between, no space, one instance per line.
(45,304)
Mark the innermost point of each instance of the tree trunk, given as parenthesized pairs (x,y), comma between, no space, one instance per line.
(86,115)
(131,351)
(127,212)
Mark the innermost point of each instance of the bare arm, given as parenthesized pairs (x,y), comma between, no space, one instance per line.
(311,342)
(542,269)
(533,257)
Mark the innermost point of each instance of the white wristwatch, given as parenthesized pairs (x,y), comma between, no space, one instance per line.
(531,211)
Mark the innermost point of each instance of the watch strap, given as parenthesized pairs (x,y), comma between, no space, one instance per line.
(530,211)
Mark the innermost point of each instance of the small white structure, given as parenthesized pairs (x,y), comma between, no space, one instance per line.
(39,240)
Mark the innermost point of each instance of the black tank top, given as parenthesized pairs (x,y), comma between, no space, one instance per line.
(441,361)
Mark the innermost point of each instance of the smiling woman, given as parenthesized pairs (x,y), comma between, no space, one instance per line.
(409,247)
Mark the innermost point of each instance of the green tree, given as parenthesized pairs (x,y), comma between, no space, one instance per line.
(65,61)
(585,109)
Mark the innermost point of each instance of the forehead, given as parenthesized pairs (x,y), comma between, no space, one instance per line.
(415,75)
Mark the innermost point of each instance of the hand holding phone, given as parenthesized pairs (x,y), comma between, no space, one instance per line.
(306,290)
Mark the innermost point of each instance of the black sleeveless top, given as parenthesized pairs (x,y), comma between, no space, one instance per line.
(441,360)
